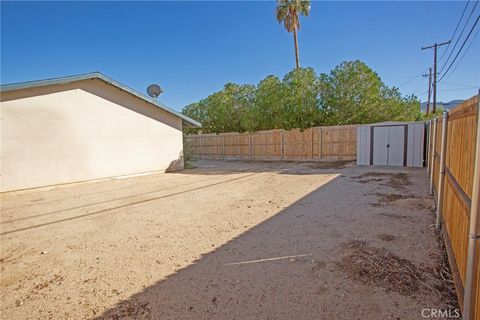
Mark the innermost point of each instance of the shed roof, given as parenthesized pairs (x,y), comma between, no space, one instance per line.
(97,75)
(391,123)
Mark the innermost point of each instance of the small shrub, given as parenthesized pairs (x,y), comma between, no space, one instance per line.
(187,151)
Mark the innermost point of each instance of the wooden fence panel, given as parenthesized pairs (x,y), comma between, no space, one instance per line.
(459,174)
(336,143)
(455,215)
(296,144)
(266,145)
(313,144)
(460,159)
(236,146)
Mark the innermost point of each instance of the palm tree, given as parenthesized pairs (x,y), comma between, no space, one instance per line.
(287,12)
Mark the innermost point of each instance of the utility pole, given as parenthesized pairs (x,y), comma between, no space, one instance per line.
(435,47)
(429,75)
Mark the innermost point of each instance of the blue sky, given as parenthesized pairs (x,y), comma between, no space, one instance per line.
(193,48)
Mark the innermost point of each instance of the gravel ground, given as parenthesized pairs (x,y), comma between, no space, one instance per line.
(225,240)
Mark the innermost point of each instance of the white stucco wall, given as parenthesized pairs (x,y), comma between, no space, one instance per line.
(82,131)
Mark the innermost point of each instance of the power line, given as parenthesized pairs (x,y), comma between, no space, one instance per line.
(461,58)
(462,85)
(444,90)
(459,36)
(454,32)
(457,89)
(410,80)
(418,92)
(460,50)
(415,92)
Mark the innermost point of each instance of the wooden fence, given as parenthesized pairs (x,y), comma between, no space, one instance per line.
(455,207)
(313,144)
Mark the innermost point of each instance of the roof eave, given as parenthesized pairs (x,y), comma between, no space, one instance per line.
(188,122)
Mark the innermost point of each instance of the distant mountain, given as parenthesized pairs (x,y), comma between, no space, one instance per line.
(440,105)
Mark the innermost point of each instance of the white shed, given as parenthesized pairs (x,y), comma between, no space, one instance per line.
(391,144)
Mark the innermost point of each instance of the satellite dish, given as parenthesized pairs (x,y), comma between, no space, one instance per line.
(154,90)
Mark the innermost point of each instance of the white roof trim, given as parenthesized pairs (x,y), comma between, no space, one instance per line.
(97,75)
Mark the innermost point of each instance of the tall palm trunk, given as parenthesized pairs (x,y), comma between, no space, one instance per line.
(295,40)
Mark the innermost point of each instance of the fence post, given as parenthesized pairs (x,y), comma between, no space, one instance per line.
(320,145)
(265,145)
(441,177)
(429,153)
(432,165)
(223,147)
(474,233)
(281,144)
(311,144)
(250,145)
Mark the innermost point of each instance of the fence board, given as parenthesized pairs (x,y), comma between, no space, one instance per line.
(477,280)
(461,145)
(313,144)
(455,215)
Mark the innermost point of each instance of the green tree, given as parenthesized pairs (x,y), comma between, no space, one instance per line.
(300,99)
(199,112)
(287,11)
(268,106)
(399,108)
(350,94)
(353,93)
(225,111)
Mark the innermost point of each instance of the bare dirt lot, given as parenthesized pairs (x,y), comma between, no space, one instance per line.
(226,240)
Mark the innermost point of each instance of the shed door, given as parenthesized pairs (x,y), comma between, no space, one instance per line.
(396,140)
(380,142)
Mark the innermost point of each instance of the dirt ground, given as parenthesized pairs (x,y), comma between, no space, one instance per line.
(226,240)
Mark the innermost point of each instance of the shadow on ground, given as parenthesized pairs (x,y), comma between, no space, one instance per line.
(283,268)
(227,167)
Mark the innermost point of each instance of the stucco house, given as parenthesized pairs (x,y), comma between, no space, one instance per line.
(82,128)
